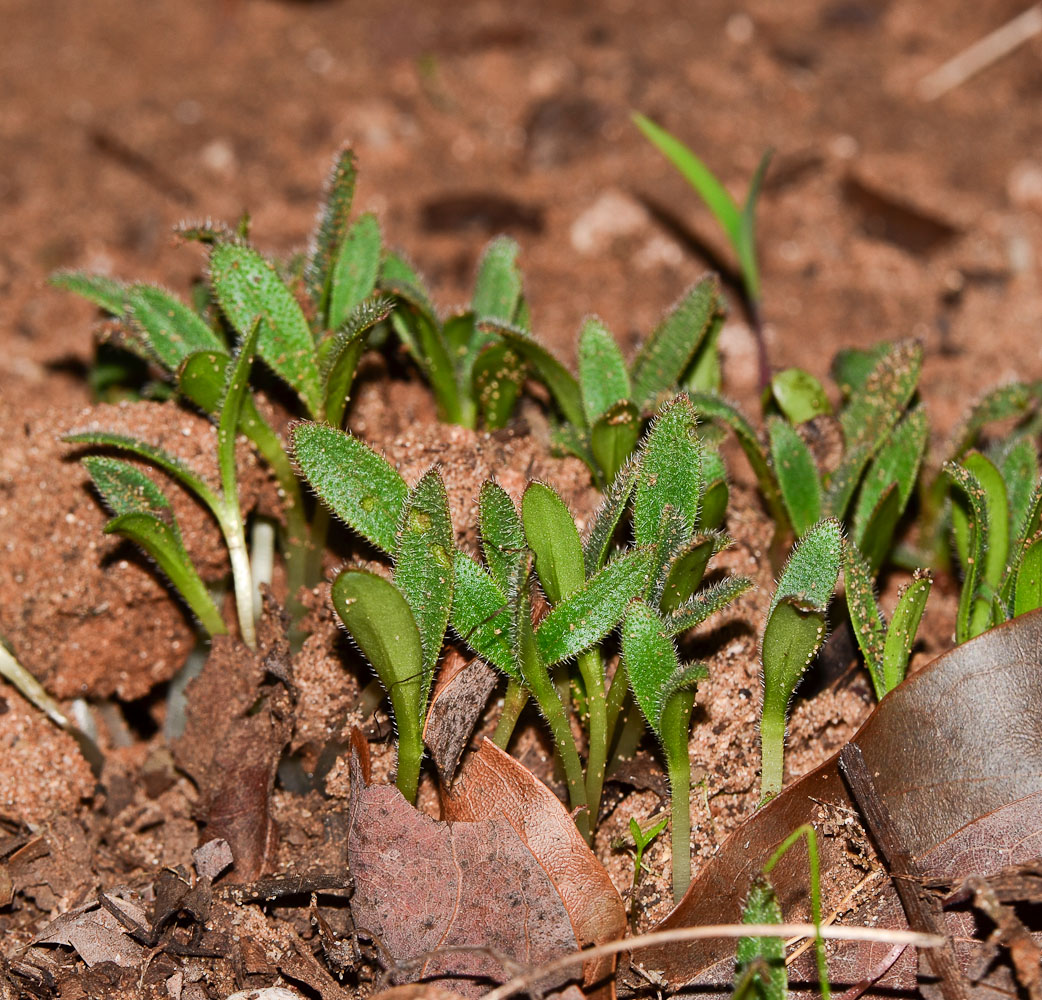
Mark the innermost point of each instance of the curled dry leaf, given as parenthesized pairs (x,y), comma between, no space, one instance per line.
(956,755)
(494,783)
(460,691)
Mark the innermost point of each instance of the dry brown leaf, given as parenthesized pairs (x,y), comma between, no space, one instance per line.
(956,755)
(449,901)
(493,783)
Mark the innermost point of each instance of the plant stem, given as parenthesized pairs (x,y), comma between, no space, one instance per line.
(539,683)
(676,721)
(592,671)
(410,756)
(514,701)
(616,696)
(772,749)
(242,578)
(316,546)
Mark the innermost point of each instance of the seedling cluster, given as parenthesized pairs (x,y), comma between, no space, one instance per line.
(583,624)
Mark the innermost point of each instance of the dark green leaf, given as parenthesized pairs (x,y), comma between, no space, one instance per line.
(246,286)
(356,270)
(970,528)
(876,406)
(688,567)
(502,536)
(1019,467)
(171,330)
(201,378)
(900,636)
(865,617)
(613,437)
(498,375)
(704,373)
(361,487)
(879,531)
(341,352)
(236,390)
(852,366)
(797,475)
(1028,590)
(588,615)
(597,544)
(481,615)
(329,233)
(707,603)
(762,959)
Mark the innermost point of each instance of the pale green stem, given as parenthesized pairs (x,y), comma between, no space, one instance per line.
(772,749)
(675,723)
(616,697)
(592,671)
(514,702)
(235,536)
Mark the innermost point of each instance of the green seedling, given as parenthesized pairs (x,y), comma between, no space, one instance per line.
(996,520)
(472,373)
(886,648)
(642,840)
(315,317)
(793,634)
(604,410)
(884,438)
(760,967)
(737,221)
(143,512)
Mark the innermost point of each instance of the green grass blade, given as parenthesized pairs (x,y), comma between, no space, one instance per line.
(553,538)
(603,377)
(666,354)
(481,615)
(171,329)
(329,231)
(588,615)
(900,636)
(359,486)
(745,245)
(797,475)
(356,271)
(247,285)
(423,567)
(697,174)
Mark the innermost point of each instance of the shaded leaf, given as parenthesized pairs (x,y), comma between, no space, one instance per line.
(498,375)
(502,534)
(597,544)
(553,538)
(613,437)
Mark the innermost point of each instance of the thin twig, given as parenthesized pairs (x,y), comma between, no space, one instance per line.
(981,54)
(530,978)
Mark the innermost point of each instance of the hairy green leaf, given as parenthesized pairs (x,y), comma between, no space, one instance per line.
(762,959)
(797,475)
(687,568)
(1028,588)
(554,539)
(498,374)
(876,406)
(106,293)
(706,603)
(799,395)
(171,329)
(865,616)
(246,286)
(597,544)
(356,270)
(361,487)
(900,636)
(613,437)
(602,371)
(589,614)
(970,528)
(502,535)
(329,231)
(481,615)
(1002,403)
(497,289)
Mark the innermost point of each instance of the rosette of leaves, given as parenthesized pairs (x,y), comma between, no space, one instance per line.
(604,409)
(883,437)
(471,372)
(142,511)
(793,634)
(315,317)
(669,488)
(398,623)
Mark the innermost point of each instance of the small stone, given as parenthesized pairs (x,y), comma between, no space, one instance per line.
(611,216)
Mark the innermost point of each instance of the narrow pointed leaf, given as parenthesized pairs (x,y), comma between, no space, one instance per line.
(900,636)
(714,500)
(1028,589)
(997,502)
(341,352)
(687,569)
(170,328)
(588,615)
(399,278)
(481,616)
(865,617)
(106,293)
(670,472)
(246,286)
(1012,400)
(1020,472)
(797,475)
(706,603)
(553,538)
(704,373)
(745,245)
(970,528)
(879,531)
(356,271)
(423,566)
(502,535)
(497,288)
(597,544)
(844,479)
(236,389)
(361,487)
(875,406)
(602,370)
(330,229)
(667,353)
(613,437)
